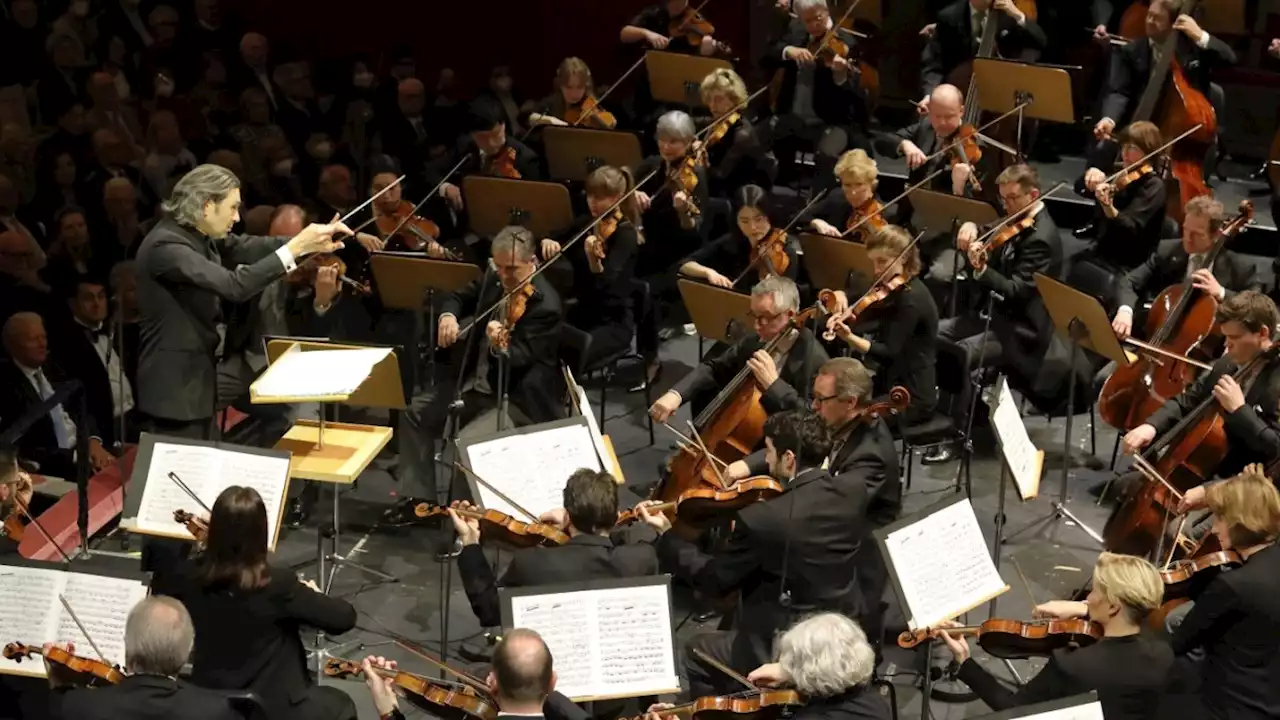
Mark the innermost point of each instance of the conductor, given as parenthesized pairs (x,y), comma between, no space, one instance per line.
(187,265)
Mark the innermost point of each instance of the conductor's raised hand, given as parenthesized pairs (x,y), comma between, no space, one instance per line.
(318,238)
(447,331)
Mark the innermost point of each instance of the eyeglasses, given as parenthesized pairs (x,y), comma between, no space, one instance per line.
(758,318)
(819,399)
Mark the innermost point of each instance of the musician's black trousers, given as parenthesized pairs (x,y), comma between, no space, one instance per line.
(703,679)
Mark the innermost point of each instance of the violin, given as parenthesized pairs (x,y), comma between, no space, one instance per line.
(516,306)
(501,527)
(1132,176)
(878,293)
(503,164)
(305,273)
(760,704)
(87,672)
(967,151)
(15,525)
(683,177)
(692,26)
(865,221)
(403,230)
(769,256)
(590,110)
(455,699)
(721,128)
(1184,579)
(606,226)
(196,525)
(1014,639)
(701,506)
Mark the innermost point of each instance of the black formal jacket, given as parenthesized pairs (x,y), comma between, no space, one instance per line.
(585,557)
(836,210)
(603,297)
(1253,431)
(814,530)
(903,348)
(730,255)
(1129,674)
(843,104)
(183,277)
(1011,273)
(666,241)
(1131,237)
(953,43)
(39,443)
(535,386)
(1131,70)
(142,697)
(922,135)
(860,703)
(795,373)
(251,640)
(73,346)
(736,160)
(1168,266)
(1237,620)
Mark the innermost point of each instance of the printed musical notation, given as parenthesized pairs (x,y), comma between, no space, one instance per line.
(613,642)
(531,468)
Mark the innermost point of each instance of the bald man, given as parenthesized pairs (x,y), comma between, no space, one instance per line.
(254,69)
(926,136)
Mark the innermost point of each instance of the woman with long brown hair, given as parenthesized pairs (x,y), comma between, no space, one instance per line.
(248,614)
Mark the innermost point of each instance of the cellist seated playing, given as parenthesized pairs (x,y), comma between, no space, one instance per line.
(775,301)
(1250,414)
(1127,668)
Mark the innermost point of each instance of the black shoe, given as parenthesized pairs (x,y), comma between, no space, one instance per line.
(297,513)
(939,454)
(1085,231)
(706,615)
(651,374)
(402,512)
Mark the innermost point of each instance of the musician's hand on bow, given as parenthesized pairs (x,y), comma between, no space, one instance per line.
(436,251)
(657,41)
(1104,128)
(309,583)
(656,520)
(839,67)
(1274,48)
(557,518)
(798,55)
(1203,279)
(763,368)
(960,173)
(914,155)
(381,689)
(1093,177)
(468,528)
(769,675)
(643,200)
(1138,438)
(60,676)
(1190,28)
(957,644)
(1192,499)
(1104,193)
(665,407)
(99,458)
(325,286)
(1008,8)
(1060,610)
(967,234)
(718,280)
(495,332)
(1123,324)
(453,194)
(657,711)
(1228,393)
(446,331)
(550,248)
(372,243)
(822,227)
(1101,36)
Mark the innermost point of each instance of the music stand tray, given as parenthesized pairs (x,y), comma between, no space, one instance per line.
(495,203)
(403,281)
(832,260)
(1001,84)
(712,308)
(677,79)
(573,153)
(937,210)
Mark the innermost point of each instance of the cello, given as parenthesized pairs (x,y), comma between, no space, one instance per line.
(1180,320)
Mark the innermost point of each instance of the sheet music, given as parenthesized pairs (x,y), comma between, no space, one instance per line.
(613,642)
(531,468)
(943,565)
(1091,711)
(33,615)
(318,373)
(207,472)
(1022,456)
(584,409)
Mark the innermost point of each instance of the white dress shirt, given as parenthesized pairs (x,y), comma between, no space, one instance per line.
(34,376)
(121,390)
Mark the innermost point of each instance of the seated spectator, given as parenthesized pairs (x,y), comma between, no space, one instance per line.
(88,350)
(10,206)
(26,379)
(119,232)
(124,298)
(18,159)
(112,158)
(78,22)
(296,111)
(71,254)
(107,111)
(70,136)
(21,287)
(167,155)
(57,190)
(252,134)
(254,68)
(21,38)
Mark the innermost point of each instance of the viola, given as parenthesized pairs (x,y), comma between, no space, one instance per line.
(769,256)
(456,700)
(503,164)
(403,230)
(721,128)
(702,506)
(967,151)
(501,527)
(590,110)
(1014,639)
(516,306)
(196,525)
(865,221)
(87,672)
(760,704)
(606,226)
(305,273)
(1185,579)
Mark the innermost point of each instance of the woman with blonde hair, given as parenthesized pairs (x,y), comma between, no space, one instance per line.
(573,101)
(1127,669)
(736,159)
(858,175)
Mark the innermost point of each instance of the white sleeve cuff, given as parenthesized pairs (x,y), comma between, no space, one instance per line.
(286,258)
(1125,310)
(1204,41)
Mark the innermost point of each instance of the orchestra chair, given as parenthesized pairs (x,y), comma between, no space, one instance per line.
(940,428)
(247,704)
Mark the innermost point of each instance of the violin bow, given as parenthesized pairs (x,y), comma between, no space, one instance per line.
(464,677)
(634,66)
(784,229)
(977,132)
(83,630)
(1015,217)
(891,203)
(426,197)
(883,276)
(707,451)
(174,477)
(688,444)
(1153,153)
(366,203)
(484,483)
(728,671)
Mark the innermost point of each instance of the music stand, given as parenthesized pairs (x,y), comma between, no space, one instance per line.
(1223,17)
(495,203)
(1005,84)
(677,79)
(1081,321)
(868,10)
(714,309)
(933,209)
(573,153)
(832,260)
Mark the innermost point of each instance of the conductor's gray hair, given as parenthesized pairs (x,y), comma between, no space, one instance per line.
(676,125)
(826,655)
(158,637)
(514,239)
(785,294)
(802,6)
(205,184)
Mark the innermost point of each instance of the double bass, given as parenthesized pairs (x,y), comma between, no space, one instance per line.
(1180,321)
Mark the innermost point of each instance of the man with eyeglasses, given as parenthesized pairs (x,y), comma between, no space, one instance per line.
(1020,328)
(775,301)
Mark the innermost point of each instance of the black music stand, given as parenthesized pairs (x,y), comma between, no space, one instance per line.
(676,79)
(1005,84)
(1081,321)
(714,310)
(573,153)
(495,203)
(936,210)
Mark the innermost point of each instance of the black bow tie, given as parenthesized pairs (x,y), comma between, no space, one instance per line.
(94,334)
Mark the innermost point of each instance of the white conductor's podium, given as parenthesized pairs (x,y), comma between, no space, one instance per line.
(324,451)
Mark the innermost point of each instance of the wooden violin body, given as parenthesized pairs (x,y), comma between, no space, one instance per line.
(305,273)
(501,527)
(865,221)
(403,230)
(1014,639)
(197,526)
(15,526)
(769,256)
(1184,580)
(590,113)
(703,505)
(448,700)
(746,705)
(86,671)
(503,164)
